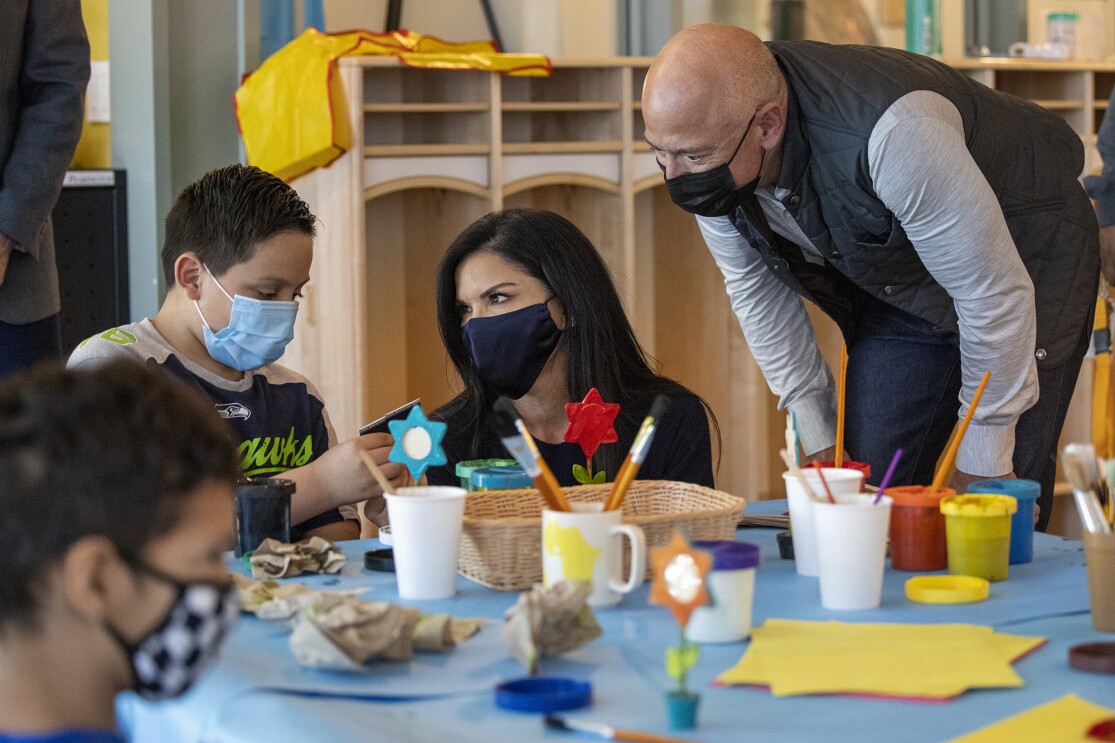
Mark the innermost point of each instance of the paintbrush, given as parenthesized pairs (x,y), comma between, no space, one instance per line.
(606,731)
(795,471)
(1085,454)
(1109,467)
(511,430)
(1083,489)
(886,478)
(637,454)
(791,437)
(958,436)
(825,485)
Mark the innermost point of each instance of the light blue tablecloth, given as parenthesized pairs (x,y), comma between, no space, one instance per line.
(257,692)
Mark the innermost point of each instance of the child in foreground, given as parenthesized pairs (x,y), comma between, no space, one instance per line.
(116,508)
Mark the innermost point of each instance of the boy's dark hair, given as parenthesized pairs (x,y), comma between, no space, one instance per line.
(227,213)
(108,451)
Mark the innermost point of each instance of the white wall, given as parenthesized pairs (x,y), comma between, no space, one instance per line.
(560,28)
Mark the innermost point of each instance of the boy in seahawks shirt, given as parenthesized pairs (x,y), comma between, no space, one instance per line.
(237,252)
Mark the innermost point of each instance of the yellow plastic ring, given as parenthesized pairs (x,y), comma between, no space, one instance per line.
(946,589)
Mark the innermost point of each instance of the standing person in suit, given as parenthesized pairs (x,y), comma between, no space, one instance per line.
(44,68)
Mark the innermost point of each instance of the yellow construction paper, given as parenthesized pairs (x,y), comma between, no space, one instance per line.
(934,662)
(1066,719)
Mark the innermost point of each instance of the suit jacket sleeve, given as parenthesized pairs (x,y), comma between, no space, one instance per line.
(52,81)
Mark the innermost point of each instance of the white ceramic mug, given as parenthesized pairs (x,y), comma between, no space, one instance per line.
(585,544)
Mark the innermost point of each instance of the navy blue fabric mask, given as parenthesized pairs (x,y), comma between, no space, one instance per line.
(510,350)
(713,193)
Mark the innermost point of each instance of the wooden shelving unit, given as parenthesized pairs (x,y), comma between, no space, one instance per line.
(437,149)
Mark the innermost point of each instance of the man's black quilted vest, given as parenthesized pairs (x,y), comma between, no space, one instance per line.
(1030,157)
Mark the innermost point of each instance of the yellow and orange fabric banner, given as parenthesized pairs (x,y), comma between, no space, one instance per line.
(291,111)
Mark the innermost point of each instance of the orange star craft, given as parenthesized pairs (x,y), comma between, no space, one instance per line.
(679,577)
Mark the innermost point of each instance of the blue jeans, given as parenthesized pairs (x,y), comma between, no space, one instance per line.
(902,391)
(23,346)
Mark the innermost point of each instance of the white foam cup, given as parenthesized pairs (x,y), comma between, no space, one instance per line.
(851,550)
(425,532)
(842,481)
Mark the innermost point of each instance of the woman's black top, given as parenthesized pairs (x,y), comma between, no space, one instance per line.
(681,450)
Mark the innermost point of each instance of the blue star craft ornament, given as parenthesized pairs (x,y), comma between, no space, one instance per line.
(417,442)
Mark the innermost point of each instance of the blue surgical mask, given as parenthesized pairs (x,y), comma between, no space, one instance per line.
(510,350)
(257,334)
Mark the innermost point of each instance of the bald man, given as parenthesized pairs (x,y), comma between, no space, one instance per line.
(938,222)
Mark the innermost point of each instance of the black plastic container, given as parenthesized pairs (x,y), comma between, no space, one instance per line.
(262,512)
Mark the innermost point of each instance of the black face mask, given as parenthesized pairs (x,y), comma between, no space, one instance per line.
(510,350)
(713,193)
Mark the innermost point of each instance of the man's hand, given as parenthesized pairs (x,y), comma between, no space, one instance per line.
(961,480)
(347,477)
(826,455)
(6,247)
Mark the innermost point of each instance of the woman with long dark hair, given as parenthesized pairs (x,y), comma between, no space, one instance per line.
(527,309)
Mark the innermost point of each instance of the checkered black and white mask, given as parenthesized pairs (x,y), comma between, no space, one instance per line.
(167,661)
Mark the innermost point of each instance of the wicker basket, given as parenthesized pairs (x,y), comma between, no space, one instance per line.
(501,545)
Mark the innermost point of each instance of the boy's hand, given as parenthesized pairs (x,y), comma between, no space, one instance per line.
(339,477)
(344,477)
(378,446)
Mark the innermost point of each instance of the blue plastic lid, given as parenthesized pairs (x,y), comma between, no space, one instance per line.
(499,478)
(1020,489)
(543,694)
(727,555)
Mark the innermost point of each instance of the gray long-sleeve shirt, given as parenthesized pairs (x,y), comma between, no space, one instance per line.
(922,171)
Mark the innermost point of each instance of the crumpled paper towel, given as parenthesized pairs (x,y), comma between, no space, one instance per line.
(275,559)
(346,632)
(549,621)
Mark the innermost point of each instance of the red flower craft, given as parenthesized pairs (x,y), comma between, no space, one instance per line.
(591,423)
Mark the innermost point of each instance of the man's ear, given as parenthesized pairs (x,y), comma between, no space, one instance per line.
(91,577)
(771,120)
(187,274)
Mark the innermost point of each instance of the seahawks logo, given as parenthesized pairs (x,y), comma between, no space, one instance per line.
(233,410)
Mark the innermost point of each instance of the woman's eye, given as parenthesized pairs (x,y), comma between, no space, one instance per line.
(497,298)
(267,296)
